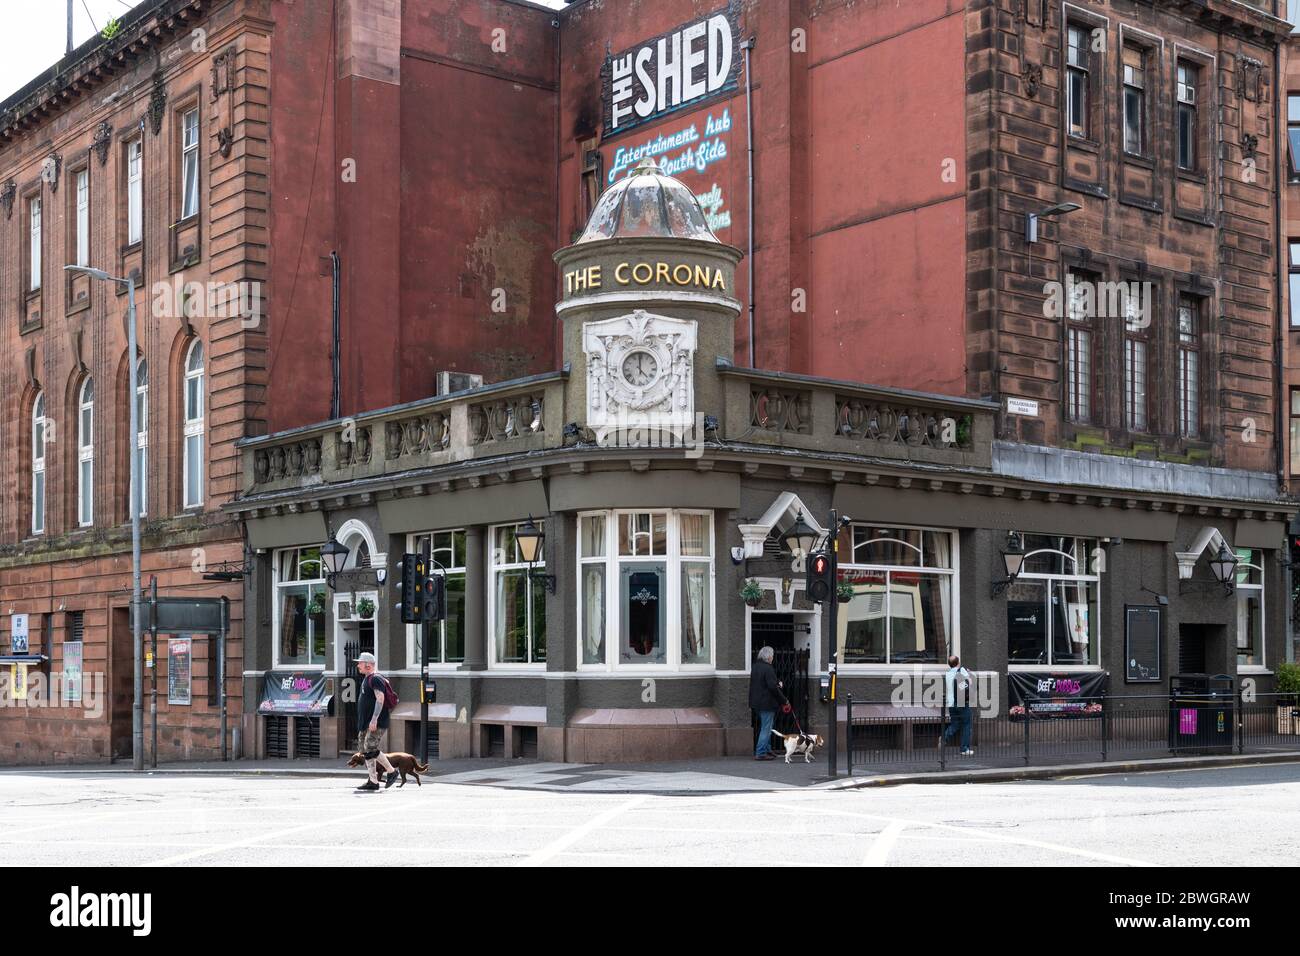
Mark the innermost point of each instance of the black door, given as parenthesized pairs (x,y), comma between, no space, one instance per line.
(1191,649)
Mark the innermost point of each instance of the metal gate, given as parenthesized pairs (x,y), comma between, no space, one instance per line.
(350,652)
(791,667)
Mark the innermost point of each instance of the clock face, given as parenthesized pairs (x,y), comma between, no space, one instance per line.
(640,369)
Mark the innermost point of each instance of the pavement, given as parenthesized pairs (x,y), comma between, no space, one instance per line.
(718,775)
(1216,817)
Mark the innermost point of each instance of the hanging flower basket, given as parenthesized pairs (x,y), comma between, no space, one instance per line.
(317,606)
(844,592)
(365,609)
(751,592)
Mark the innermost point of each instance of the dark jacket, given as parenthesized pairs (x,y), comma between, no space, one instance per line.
(764,690)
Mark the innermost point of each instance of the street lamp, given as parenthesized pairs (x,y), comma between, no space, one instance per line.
(530,539)
(1031,219)
(1224,565)
(1013,558)
(137,705)
(333,556)
(800,539)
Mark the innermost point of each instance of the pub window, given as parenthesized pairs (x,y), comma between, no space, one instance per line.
(1293,278)
(903,582)
(1077,79)
(1189,366)
(1250,607)
(448,644)
(1188,78)
(83,217)
(1136,371)
(645,589)
(299,608)
(134,190)
(86,454)
(1293,133)
(38,465)
(1052,607)
(1135,100)
(1079,347)
(518,603)
(1295,431)
(34,244)
(190,164)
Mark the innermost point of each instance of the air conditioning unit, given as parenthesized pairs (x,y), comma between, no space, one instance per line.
(449,382)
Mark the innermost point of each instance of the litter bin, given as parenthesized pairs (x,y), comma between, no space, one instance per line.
(1201,708)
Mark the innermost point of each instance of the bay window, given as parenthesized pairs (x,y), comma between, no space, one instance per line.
(646,585)
(904,583)
(448,639)
(1052,608)
(299,608)
(518,603)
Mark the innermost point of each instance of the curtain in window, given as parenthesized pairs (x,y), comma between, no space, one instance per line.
(695,646)
(694,529)
(943,557)
(593,613)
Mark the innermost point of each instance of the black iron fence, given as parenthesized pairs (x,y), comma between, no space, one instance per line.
(882,735)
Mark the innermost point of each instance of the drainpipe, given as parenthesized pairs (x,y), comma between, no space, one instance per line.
(748,44)
(336,375)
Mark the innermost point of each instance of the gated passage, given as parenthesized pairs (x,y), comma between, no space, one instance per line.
(792,671)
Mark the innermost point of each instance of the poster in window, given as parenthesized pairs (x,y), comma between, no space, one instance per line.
(18,633)
(179,658)
(1141,645)
(72,672)
(1077,621)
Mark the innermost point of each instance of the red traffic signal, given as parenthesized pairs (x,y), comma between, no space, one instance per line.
(820,584)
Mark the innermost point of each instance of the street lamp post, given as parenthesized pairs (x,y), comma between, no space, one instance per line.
(137,704)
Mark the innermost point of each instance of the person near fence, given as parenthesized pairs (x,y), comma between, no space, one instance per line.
(959,691)
(372,724)
(765,696)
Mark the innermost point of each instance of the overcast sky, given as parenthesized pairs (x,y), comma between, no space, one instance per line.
(34,36)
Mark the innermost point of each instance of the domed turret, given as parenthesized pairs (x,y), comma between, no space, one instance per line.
(647,205)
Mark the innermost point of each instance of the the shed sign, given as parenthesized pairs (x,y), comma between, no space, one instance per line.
(677,69)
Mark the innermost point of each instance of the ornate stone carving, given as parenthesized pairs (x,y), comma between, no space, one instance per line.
(777,410)
(356,452)
(103,138)
(1032,74)
(505,418)
(640,373)
(7,196)
(223,81)
(1250,78)
(1249,145)
(51,169)
(157,103)
(293,460)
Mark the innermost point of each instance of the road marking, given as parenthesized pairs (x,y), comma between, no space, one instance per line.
(557,847)
(878,852)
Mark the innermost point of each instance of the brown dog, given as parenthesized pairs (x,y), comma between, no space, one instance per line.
(402,763)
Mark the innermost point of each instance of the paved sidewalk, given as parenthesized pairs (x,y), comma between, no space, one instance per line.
(720,775)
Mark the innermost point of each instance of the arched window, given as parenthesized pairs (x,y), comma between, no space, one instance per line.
(86,454)
(193,431)
(141,449)
(38,465)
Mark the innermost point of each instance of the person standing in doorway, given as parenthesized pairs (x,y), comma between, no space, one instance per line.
(372,724)
(765,696)
(959,691)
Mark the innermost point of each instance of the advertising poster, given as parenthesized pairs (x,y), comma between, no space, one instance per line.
(18,623)
(179,660)
(1055,695)
(72,657)
(293,692)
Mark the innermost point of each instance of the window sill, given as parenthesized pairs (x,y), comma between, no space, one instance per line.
(81,305)
(1259,669)
(1201,179)
(1082,142)
(1138,159)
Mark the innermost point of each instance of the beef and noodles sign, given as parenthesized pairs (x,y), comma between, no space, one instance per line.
(679,68)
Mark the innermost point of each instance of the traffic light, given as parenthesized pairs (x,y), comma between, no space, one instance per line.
(433,598)
(414,573)
(820,585)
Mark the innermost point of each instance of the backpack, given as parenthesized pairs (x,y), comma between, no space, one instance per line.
(390,695)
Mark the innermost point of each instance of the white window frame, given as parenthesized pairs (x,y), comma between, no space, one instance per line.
(34,250)
(1261,668)
(1049,579)
(495,568)
(86,454)
(193,426)
(413,661)
(189,163)
(134,190)
(141,448)
(276,603)
(83,217)
(673,561)
(39,427)
(954,576)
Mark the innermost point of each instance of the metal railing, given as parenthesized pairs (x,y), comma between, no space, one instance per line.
(881,735)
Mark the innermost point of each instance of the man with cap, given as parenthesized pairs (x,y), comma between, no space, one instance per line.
(372,722)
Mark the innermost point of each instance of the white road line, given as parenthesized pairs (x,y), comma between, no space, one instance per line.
(249,841)
(994,837)
(557,847)
(878,852)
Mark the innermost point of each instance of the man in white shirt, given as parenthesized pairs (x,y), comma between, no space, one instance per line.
(959,691)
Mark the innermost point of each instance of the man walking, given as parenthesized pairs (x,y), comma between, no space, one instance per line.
(959,691)
(765,697)
(372,723)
